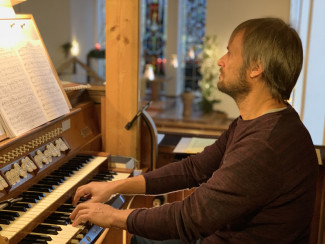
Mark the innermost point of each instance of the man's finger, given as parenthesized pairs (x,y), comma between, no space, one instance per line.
(81,192)
(81,218)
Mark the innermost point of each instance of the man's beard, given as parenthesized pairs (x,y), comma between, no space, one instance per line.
(237,90)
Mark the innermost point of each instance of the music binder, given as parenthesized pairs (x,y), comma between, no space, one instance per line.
(30,89)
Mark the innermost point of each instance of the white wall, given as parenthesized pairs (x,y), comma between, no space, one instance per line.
(53,21)
(62,21)
(172,87)
(224,15)
(83,28)
(309,99)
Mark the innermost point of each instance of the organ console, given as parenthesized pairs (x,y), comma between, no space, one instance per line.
(39,173)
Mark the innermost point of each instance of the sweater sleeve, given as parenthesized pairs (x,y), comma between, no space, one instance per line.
(226,196)
(264,184)
(189,172)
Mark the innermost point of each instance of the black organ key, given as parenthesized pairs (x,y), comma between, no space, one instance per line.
(36,241)
(86,158)
(68,208)
(61,215)
(31,199)
(56,177)
(50,182)
(70,168)
(21,204)
(4,221)
(47,229)
(11,213)
(35,238)
(56,221)
(7,218)
(41,188)
(59,218)
(103,177)
(37,195)
(16,208)
(63,173)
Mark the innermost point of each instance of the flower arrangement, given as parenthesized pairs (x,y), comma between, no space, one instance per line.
(97,52)
(210,73)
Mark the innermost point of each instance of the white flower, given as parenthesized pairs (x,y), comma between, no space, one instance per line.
(209,69)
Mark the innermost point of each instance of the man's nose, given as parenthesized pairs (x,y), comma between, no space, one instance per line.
(221,62)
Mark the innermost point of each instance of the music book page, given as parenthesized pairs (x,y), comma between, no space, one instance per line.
(20,109)
(30,94)
(3,134)
(45,85)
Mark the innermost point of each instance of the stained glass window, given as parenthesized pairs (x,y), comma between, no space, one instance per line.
(154,34)
(194,33)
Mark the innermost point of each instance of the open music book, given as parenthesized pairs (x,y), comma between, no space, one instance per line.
(30,94)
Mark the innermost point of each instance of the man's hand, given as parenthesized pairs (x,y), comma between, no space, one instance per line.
(95,191)
(102,191)
(100,214)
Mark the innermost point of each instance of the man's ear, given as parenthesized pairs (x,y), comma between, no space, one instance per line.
(256,70)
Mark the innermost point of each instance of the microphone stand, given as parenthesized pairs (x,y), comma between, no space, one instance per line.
(130,123)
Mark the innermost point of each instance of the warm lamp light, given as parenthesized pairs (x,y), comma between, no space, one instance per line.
(174,61)
(14,2)
(191,53)
(148,73)
(75,48)
(6,10)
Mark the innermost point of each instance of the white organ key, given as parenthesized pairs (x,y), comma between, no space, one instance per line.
(120,176)
(64,235)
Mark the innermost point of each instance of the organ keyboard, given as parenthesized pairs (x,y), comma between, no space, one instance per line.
(42,170)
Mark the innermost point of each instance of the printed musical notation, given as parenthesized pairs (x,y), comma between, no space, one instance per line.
(29,91)
(42,78)
(19,106)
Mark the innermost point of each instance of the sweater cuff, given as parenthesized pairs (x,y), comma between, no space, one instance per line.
(130,222)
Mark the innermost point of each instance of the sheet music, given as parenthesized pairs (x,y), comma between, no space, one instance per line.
(18,103)
(192,145)
(198,144)
(182,145)
(42,78)
(3,134)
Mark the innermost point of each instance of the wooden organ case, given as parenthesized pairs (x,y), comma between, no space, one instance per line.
(79,132)
(40,171)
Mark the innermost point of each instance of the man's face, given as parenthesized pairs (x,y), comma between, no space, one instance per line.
(232,78)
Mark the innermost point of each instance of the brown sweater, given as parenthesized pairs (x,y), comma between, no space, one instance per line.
(255,184)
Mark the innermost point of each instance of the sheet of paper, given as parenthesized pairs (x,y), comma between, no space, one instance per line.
(192,145)
(18,103)
(182,145)
(3,134)
(198,144)
(160,137)
(42,78)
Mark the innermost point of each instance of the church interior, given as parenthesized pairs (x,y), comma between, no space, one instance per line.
(140,81)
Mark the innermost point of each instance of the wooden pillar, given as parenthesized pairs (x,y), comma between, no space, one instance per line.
(122,90)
